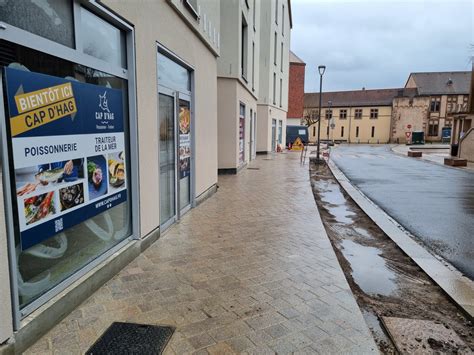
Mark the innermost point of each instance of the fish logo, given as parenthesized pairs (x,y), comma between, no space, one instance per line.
(103,104)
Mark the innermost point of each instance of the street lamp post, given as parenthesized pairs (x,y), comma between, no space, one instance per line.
(321,69)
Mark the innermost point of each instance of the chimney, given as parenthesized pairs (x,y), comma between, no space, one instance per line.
(363,88)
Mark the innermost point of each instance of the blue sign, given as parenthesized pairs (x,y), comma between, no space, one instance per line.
(68,148)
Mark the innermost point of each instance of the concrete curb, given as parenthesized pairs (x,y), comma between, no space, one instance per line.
(457,286)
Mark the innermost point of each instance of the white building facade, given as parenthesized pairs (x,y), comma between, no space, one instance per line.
(276,24)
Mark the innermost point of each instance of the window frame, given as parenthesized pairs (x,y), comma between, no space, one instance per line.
(328,114)
(358,113)
(435,104)
(374,113)
(35,42)
(192,10)
(343,114)
(244,48)
(283,19)
(275,50)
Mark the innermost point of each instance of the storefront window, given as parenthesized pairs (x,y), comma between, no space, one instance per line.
(51,19)
(70,210)
(102,40)
(173,75)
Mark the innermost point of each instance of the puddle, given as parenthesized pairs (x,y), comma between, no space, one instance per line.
(363,232)
(341,214)
(336,203)
(369,269)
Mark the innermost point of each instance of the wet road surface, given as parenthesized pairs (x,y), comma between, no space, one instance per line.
(433,202)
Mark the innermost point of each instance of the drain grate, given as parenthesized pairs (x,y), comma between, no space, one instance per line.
(130,338)
(253,168)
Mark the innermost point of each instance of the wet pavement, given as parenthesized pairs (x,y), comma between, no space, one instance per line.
(435,203)
(250,270)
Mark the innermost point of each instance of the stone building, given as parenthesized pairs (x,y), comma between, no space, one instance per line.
(296,90)
(427,103)
(357,116)
(463,127)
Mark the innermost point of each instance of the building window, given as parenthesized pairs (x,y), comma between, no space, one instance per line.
(280,132)
(254,14)
(243,49)
(275,49)
(328,114)
(53,20)
(193,6)
(358,113)
(433,128)
(281,92)
(35,274)
(276,12)
(342,131)
(343,114)
(435,104)
(373,132)
(357,132)
(374,113)
(452,102)
(253,66)
(281,58)
(327,131)
(274,87)
(93,39)
(282,19)
(314,130)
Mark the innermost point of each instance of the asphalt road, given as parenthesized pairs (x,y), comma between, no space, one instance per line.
(434,202)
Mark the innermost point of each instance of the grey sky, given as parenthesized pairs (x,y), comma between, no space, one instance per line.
(377,43)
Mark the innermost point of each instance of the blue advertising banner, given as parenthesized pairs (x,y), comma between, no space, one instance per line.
(68,151)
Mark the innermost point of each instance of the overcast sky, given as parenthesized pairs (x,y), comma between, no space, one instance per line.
(377,43)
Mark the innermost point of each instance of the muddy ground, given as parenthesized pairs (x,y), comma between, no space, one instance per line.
(384,280)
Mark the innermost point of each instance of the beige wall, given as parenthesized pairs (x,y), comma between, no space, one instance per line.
(6,330)
(350,124)
(227,123)
(159,22)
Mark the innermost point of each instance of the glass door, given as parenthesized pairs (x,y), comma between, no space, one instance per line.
(274,124)
(185,151)
(167,158)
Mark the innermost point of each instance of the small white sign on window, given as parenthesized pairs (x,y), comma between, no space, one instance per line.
(301,131)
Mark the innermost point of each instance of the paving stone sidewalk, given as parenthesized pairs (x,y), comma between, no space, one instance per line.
(251,270)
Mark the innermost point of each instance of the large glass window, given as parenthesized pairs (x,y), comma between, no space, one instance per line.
(173,75)
(51,19)
(49,262)
(102,40)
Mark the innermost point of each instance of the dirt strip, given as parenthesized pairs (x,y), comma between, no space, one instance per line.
(385,281)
